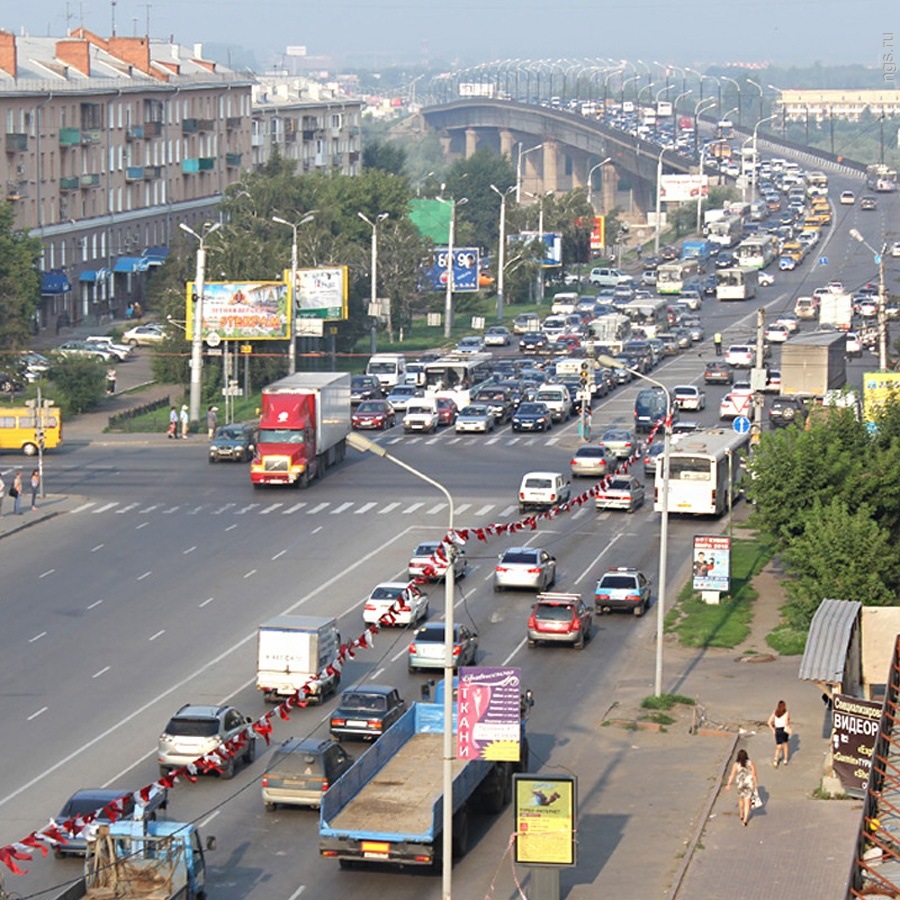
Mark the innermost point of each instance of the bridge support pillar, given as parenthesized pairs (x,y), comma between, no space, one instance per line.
(609,185)
(507,142)
(550,181)
(581,163)
(643,196)
(471,142)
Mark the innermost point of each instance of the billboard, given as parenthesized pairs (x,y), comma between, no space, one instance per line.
(320,293)
(466,266)
(854,725)
(879,388)
(546,819)
(242,311)
(552,245)
(598,233)
(490,713)
(476,89)
(680,188)
(663,108)
(712,563)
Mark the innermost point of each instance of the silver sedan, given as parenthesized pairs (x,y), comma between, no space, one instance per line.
(475,417)
(525,567)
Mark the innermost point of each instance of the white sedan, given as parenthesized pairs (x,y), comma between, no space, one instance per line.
(689,396)
(408,604)
(776,334)
(497,336)
(766,279)
(144,335)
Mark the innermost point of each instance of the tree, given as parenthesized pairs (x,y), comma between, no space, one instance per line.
(385,156)
(19,282)
(77,383)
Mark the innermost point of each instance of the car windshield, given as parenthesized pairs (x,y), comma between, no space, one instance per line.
(532,409)
(193,727)
(474,411)
(366,702)
(520,556)
(280,436)
(231,432)
(555,612)
(404,391)
(370,406)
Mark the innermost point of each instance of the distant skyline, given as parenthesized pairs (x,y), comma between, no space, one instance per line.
(465,32)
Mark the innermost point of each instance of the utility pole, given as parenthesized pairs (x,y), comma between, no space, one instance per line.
(758,378)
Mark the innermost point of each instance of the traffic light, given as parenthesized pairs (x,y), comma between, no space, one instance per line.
(585,372)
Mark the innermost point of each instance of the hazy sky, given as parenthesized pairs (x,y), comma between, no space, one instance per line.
(383,32)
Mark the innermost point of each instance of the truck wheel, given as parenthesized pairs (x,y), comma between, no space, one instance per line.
(460,833)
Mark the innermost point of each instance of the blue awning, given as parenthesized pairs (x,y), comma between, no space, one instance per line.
(131,264)
(90,275)
(156,256)
(55,282)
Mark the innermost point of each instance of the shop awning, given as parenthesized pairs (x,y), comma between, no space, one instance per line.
(55,282)
(91,275)
(156,256)
(130,264)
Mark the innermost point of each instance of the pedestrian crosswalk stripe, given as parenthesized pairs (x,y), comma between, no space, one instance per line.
(435,509)
(293,508)
(484,510)
(147,509)
(104,508)
(216,512)
(246,509)
(84,506)
(341,508)
(317,508)
(269,509)
(412,509)
(125,509)
(171,509)
(389,508)
(462,507)
(365,508)
(508,511)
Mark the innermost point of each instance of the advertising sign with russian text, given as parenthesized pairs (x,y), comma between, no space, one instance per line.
(242,311)
(546,819)
(854,725)
(320,293)
(712,563)
(489,713)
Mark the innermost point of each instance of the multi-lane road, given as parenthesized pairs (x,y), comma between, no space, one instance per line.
(148,595)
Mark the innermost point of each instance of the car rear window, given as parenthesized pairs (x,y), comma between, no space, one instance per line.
(554,612)
(589,452)
(539,483)
(618,582)
(364,702)
(519,556)
(81,805)
(425,549)
(384,593)
(620,484)
(296,762)
(193,727)
(430,635)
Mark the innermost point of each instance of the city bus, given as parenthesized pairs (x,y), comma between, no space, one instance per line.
(704,471)
(672,277)
(727,231)
(19,429)
(756,252)
(650,316)
(457,376)
(736,284)
(881,178)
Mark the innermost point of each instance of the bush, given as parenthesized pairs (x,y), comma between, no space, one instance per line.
(77,384)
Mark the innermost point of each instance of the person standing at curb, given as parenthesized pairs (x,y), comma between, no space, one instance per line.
(185,421)
(16,493)
(173,423)
(35,487)
(2,494)
(780,725)
(717,342)
(211,421)
(110,381)
(743,774)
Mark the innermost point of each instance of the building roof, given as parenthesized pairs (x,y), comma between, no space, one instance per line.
(828,641)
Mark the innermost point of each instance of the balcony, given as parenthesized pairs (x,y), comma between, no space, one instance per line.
(89,181)
(16,190)
(68,184)
(308,135)
(353,156)
(190,126)
(134,133)
(232,123)
(206,124)
(233,160)
(152,172)
(69,137)
(134,173)
(90,137)
(16,142)
(207,163)
(256,140)
(152,130)
(189,166)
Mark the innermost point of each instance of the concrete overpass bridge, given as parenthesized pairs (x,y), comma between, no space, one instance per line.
(572,145)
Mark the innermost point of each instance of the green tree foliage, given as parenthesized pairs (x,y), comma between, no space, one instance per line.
(841,553)
(385,156)
(19,282)
(77,384)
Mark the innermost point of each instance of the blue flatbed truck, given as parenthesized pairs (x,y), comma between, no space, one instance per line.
(389,806)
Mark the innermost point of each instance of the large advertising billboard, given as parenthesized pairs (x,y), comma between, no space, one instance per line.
(242,311)
(879,388)
(320,293)
(855,724)
(490,713)
(598,233)
(546,819)
(712,563)
(466,266)
(552,245)
(681,188)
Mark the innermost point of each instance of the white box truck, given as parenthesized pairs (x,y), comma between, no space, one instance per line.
(294,650)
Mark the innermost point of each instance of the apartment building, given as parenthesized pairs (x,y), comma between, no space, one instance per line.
(109,143)
(814,105)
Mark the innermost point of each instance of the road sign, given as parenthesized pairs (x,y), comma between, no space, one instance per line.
(823,260)
(213,351)
(877,259)
(213,339)
(741,425)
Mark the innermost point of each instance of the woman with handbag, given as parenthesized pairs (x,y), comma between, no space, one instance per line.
(780,724)
(743,774)
(16,493)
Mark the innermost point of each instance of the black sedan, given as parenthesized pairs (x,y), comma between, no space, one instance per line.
(366,712)
(718,373)
(365,387)
(726,261)
(533,342)
(532,417)
(235,442)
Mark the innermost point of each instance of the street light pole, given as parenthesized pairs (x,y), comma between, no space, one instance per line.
(197,333)
(522,153)
(753,193)
(540,199)
(882,298)
(363,444)
(697,110)
(590,176)
(611,363)
(738,87)
(658,201)
(448,295)
(373,342)
(292,343)
(501,248)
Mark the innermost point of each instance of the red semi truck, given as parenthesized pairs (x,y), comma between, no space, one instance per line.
(302,430)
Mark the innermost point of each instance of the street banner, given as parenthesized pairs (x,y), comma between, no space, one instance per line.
(546,820)
(681,188)
(242,311)
(712,563)
(854,731)
(598,233)
(320,293)
(552,245)
(489,713)
(466,266)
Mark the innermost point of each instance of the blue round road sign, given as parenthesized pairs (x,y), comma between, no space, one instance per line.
(741,425)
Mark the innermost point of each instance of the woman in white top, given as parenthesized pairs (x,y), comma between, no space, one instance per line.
(780,723)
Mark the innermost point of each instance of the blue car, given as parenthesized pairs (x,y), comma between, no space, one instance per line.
(532,417)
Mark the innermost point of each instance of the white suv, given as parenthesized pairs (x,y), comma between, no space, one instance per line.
(195,731)
(740,356)
(609,277)
(543,490)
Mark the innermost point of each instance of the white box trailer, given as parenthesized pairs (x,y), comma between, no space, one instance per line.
(294,650)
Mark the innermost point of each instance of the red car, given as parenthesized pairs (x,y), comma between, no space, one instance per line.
(373,414)
(447,411)
(567,343)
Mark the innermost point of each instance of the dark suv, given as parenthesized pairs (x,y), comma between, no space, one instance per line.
(499,403)
(559,618)
(300,772)
(787,411)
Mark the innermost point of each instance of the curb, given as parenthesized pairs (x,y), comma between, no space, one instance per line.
(30,523)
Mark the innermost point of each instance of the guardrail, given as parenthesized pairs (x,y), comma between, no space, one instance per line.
(117,420)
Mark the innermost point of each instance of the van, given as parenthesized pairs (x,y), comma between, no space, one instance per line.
(564,303)
(543,490)
(19,429)
(557,399)
(388,368)
(649,409)
(806,308)
(609,277)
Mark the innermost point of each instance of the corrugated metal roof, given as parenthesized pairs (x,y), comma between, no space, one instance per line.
(827,641)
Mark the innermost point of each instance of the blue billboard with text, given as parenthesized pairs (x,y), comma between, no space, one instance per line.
(466,266)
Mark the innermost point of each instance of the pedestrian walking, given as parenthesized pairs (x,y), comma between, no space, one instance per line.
(640,250)
(173,423)
(743,775)
(717,342)
(212,420)
(35,487)
(780,724)
(185,421)
(110,381)
(16,493)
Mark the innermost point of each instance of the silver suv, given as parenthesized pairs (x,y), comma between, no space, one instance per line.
(195,731)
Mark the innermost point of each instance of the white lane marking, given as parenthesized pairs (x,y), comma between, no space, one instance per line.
(412,509)
(508,511)
(598,557)
(98,547)
(402,652)
(515,650)
(159,633)
(387,509)
(298,892)
(40,712)
(95,604)
(190,679)
(341,508)
(125,509)
(316,530)
(246,509)
(492,440)
(189,550)
(196,509)
(462,507)
(142,525)
(207,600)
(209,818)
(293,508)
(377,672)
(364,508)
(484,510)
(170,510)
(45,574)
(84,506)
(103,671)
(221,509)
(435,509)
(579,513)
(317,508)
(269,509)
(148,509)
(145,575)
(105,507)
(250,573)
(37,637)
(278,555)
(231,527)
